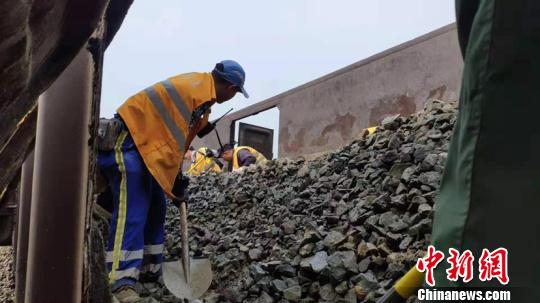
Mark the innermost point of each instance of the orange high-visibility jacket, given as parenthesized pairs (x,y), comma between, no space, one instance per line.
(259,158)
(158,120)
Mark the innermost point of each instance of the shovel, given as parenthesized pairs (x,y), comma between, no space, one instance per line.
(187,278)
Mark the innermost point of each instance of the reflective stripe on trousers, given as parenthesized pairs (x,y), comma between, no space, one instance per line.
(125,255)
(153,249)
(122,206)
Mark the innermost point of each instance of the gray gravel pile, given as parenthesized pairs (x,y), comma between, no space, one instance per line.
(341,228)
(7,282)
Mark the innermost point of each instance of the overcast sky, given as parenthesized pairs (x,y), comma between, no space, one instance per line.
(281,43)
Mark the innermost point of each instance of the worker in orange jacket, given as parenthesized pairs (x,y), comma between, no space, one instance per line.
(159,124)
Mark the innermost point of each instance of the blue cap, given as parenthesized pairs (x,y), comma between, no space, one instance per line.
(232,72)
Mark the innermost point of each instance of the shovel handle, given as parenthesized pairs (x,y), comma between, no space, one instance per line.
(185,240)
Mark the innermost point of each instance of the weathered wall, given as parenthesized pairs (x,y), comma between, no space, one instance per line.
(330,112)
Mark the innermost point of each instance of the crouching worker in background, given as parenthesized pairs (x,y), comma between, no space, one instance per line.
(242,156)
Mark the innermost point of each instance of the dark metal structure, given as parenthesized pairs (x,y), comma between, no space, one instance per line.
(260,138)
(54,47)
(23,222)
(58,211)
(7,219)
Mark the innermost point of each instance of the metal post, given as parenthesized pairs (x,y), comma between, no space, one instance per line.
(57,215)
(22,226)
(232,129)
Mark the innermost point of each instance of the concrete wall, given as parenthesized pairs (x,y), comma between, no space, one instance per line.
(330,112)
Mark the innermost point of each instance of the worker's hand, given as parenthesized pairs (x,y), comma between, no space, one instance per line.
(240,170)
(206,130)
(179,190)
(176,202)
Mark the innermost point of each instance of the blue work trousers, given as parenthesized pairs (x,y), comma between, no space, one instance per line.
(136,233)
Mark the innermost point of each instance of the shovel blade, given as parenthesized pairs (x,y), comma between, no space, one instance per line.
(198,284)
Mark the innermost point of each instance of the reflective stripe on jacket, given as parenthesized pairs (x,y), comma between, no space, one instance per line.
(258,156)
(158,119)
(203,163)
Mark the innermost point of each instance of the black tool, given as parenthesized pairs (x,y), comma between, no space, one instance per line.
(210,126)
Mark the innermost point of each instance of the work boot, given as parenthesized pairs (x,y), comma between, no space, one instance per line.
(127,294)
(148,277)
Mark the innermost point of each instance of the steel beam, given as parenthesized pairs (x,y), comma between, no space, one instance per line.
(59,195)
(25,198)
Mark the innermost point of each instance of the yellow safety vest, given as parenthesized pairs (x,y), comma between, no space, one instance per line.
(258,156)
(203,163)
(371,130)
(158,120)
